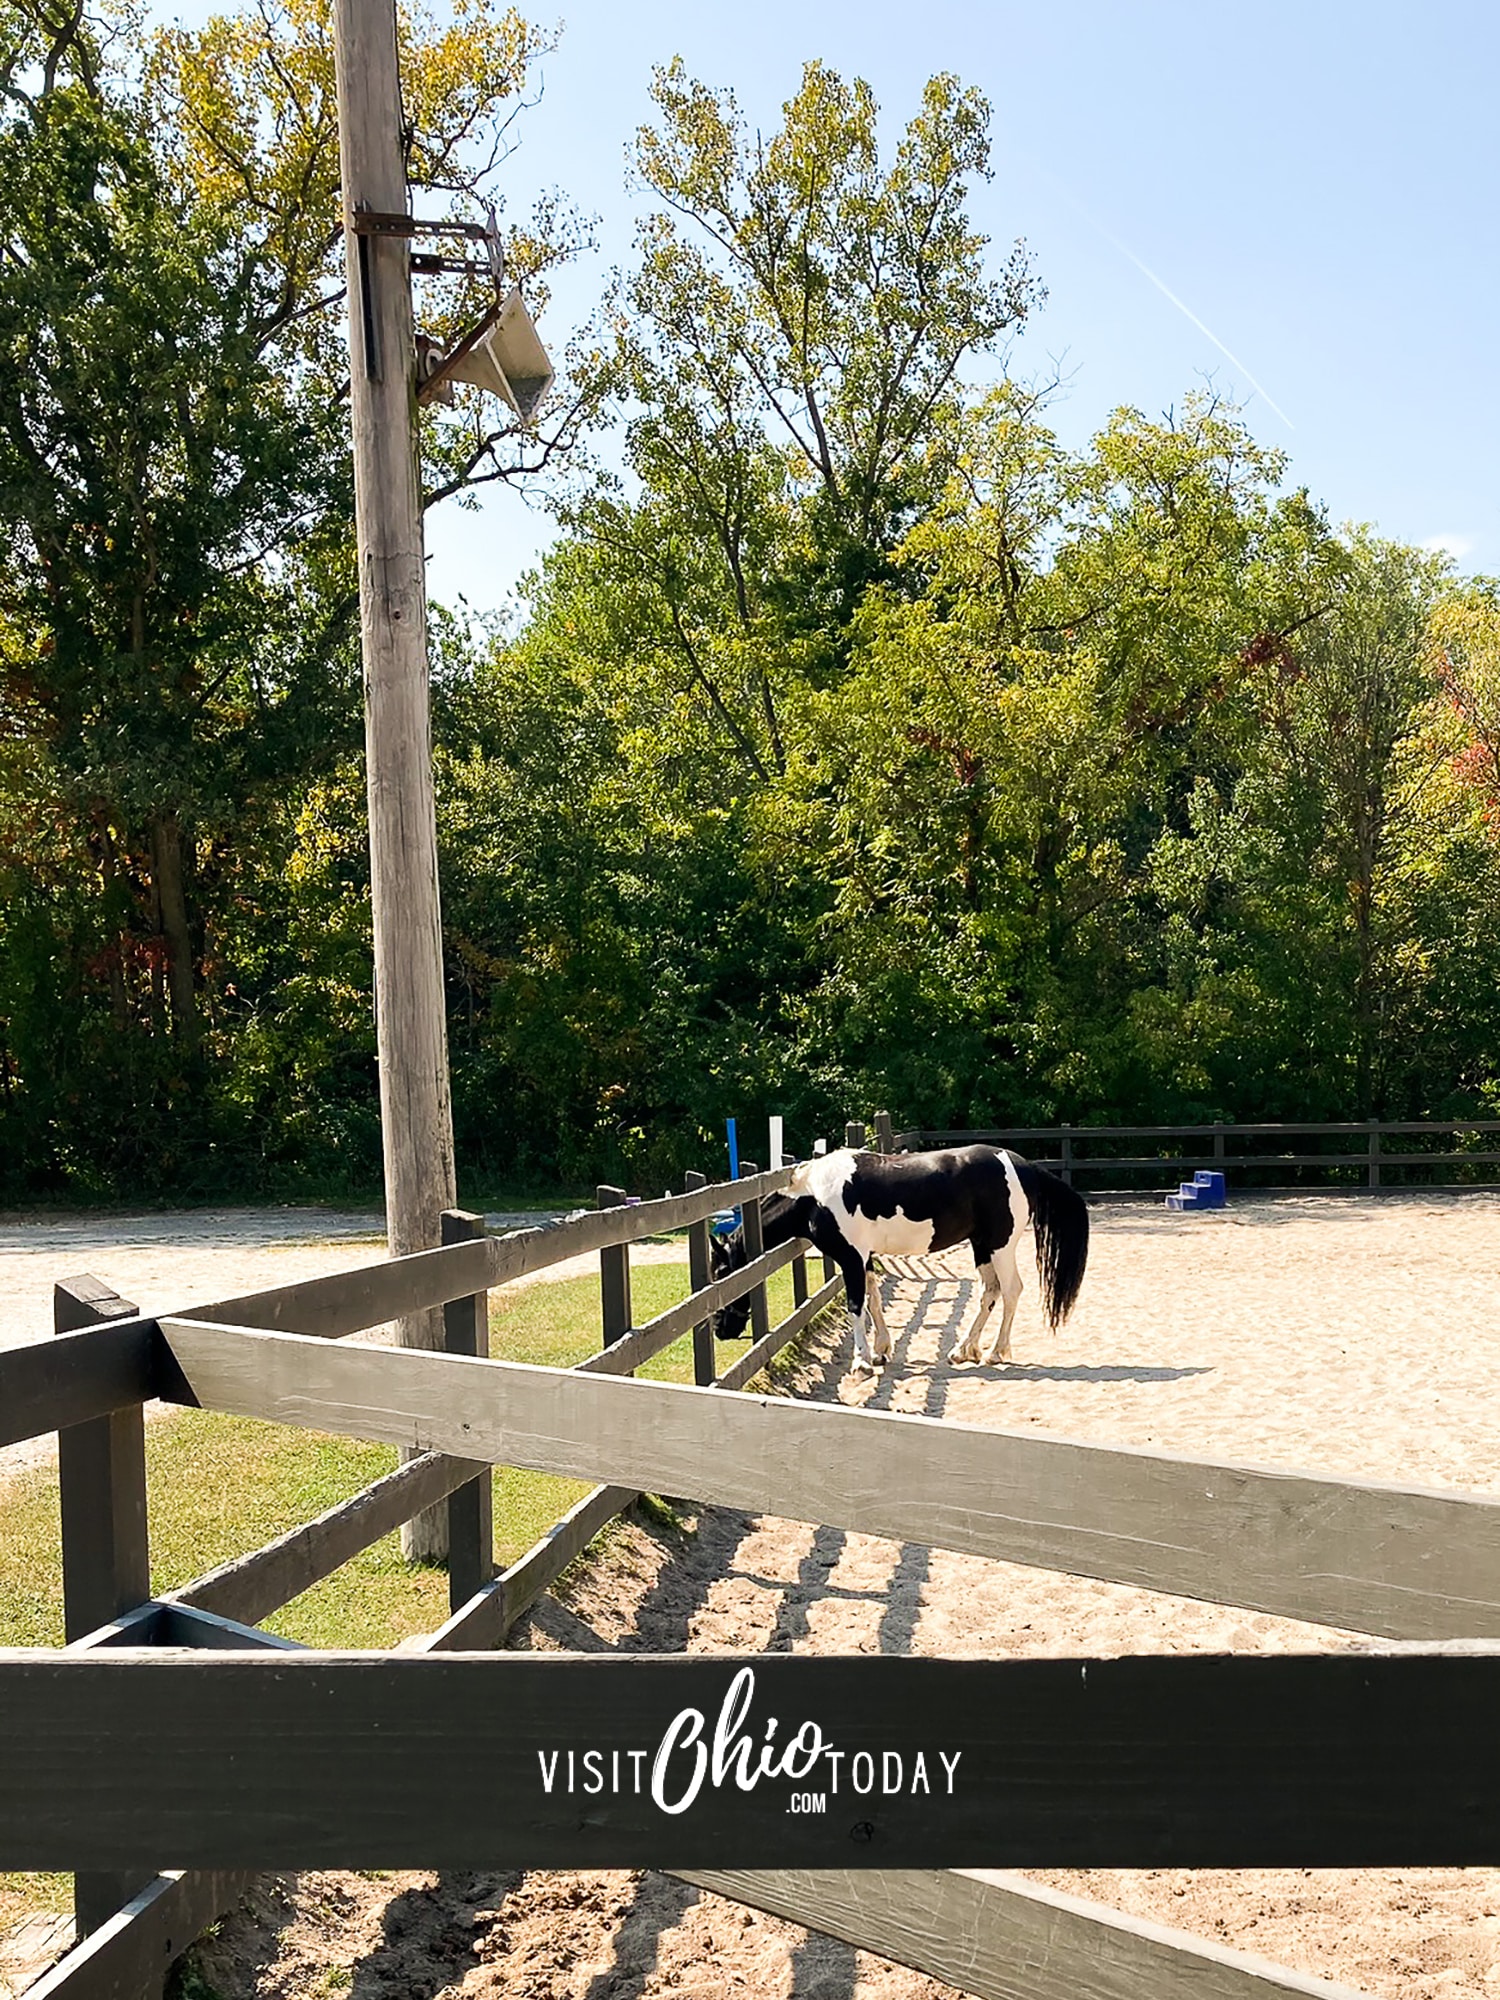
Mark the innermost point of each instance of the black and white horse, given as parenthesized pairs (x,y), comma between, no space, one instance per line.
(858,1206)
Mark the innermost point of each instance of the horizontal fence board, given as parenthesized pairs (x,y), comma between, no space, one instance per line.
(366,1295)
(1000,1937)
(1395,1560)
(1363,1167)
(370,1294)
(1360,1160)
(490,1612)
(1165,1163)
(164,1622)
(599,1229)
(750,1363)
(644,1341)
(210,1633)
(47,1385)
(142,1626)
(1435,1159)
(306,1760)
(252,1586)
(128,1956)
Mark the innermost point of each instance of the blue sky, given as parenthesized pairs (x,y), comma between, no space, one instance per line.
(1318,184)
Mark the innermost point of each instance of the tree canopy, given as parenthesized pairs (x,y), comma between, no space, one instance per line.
(857,742)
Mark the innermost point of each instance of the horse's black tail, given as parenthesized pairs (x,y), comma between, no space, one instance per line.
(1060,1218)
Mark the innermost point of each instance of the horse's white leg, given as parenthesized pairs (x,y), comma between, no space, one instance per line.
(969,1351)
(877,1314)
(1010,1291)
(863,1365)
(856,1297)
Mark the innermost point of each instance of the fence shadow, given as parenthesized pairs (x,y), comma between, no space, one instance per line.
(902,1590)
(914,1563)
(658,1906)
(823,1968)
(428,1938)
(679,1592)
(1078,1371)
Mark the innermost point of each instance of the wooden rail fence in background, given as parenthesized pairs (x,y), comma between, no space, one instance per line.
(1074,1152)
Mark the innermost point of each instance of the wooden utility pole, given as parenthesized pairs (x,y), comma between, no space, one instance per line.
(411,1031)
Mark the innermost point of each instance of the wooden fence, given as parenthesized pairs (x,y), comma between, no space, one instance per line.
(1101,1157)
(118,1752)
(91,1382)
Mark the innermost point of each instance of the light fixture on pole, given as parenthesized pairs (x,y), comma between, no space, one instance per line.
(504,355)
(503,352)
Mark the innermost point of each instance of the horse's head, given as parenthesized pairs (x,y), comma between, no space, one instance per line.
(726,1254)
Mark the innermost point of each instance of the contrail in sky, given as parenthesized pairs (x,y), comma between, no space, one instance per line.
(1167,292)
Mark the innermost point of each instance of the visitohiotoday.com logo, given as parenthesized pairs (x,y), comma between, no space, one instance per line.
(746,1753)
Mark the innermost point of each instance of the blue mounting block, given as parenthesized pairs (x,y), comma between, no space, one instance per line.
(1204,1190)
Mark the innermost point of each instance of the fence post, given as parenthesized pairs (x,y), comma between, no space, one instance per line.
(1065,1165)
(1219,1143)
(885,1133)
(614,1276)
(799,1264)
(854,1134)
(755,1243)
(703,1339)
(471,1528)
(1374,1152)
(106,1555)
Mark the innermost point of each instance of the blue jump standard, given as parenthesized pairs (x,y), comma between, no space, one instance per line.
(1204,1190)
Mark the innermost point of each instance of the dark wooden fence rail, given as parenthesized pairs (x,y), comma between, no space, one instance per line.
(1071,1150)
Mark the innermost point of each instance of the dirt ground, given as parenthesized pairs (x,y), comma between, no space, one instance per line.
(1348,1335)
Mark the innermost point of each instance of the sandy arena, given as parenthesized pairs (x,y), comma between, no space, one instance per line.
(1339,1334)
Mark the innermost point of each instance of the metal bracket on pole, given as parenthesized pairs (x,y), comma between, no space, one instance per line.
(374,222)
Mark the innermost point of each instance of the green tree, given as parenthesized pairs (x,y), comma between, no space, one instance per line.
(1463,652)
(177,596)
(1345,704)
(1068,659)
(245,114)
(789,355)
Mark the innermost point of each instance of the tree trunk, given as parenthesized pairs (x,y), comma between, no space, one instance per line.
(168,867)
(1367,973)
